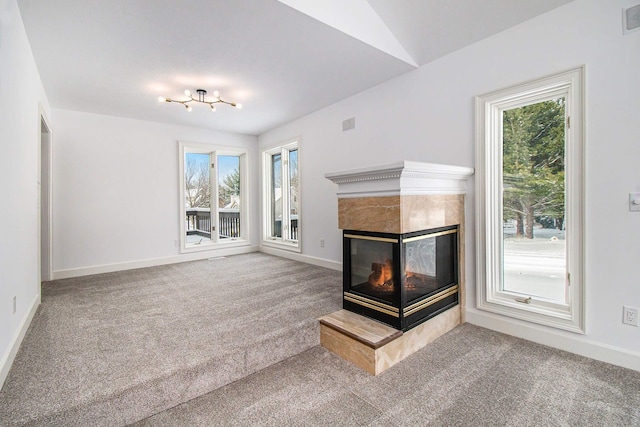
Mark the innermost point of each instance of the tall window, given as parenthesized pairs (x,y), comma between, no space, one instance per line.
(214,195)
(281,196)
(529,180)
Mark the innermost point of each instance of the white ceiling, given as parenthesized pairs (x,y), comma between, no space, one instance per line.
(115,57)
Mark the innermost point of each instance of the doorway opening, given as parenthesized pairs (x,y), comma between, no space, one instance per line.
(44,187)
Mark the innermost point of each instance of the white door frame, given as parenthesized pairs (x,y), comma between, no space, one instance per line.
(45,233)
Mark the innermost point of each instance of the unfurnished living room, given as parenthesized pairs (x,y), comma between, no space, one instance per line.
(319,212)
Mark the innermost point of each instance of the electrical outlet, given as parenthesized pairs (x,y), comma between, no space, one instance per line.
(630,316)
(176,243)
(15,305)
(634,202)
(322,243)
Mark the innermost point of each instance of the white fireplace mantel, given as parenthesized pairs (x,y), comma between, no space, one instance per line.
(401,178)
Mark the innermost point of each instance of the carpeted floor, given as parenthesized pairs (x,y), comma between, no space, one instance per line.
(114,348)
(234,341)
(469,377)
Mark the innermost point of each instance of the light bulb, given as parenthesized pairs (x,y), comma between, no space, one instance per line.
(216,94)
(213,109)
(187,92)
(189,108)
(238,106)
(162,99)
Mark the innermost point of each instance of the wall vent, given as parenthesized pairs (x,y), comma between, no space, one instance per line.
(631,19)
(349,124)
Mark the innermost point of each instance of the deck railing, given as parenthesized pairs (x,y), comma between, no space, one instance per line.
(199,222)
(229,223)
(277,227)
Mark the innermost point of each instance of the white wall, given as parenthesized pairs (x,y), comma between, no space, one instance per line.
(427,115)
(21,93)
(115,191)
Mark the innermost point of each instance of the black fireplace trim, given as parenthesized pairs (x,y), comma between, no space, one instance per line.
(400,321)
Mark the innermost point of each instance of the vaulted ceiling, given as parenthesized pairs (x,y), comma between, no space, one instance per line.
(282,59)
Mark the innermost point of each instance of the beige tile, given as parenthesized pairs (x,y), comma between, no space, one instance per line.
(368,331)
(425,212)
(454,209)
(422,212)
(349,349)
(400,214)
(416,339)
(376,361)
(462,294)
(379,214)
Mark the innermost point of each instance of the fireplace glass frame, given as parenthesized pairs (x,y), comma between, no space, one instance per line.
(376,260)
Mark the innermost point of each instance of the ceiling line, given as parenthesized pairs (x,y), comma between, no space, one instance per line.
(357,19)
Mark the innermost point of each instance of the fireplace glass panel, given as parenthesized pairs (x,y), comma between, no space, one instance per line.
(428,264)
(372,269)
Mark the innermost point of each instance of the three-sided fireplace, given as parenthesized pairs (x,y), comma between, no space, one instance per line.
(401,279)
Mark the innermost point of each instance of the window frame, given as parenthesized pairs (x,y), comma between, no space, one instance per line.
(185,147)
(489,250)
(267,204)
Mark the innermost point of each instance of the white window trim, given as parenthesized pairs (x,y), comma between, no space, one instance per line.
(195,147)
(488,180)
(267,240)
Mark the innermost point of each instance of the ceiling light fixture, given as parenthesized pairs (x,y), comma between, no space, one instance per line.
(201,94)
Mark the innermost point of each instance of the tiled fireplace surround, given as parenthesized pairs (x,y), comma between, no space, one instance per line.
(397,198)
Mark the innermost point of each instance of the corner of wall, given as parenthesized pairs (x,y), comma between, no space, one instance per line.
(321,262)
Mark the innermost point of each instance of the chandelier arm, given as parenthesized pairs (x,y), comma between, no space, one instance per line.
(176,100)
(233,104)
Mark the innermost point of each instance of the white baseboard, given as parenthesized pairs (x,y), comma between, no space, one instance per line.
(563,341)
(321,262)
(130,265)
(12,350)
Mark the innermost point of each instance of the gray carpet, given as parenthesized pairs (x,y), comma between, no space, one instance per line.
(115,348)
(468,377)
(234,342)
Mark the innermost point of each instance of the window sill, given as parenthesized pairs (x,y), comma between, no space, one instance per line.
(559,319)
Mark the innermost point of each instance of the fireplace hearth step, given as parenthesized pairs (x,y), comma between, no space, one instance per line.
(369,332)
(376,347)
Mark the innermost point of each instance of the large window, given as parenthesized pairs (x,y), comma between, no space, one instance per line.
(213,196)
(281,196)
(529,184)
